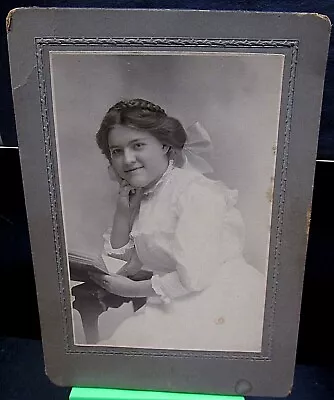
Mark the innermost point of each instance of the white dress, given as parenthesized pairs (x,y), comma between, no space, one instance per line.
(190,235)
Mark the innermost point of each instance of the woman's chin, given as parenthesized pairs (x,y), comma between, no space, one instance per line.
(142,180)
(138,183)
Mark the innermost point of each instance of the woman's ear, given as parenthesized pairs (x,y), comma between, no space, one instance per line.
(177,156)
(166,148)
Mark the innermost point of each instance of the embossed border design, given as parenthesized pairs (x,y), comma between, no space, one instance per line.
(167,42)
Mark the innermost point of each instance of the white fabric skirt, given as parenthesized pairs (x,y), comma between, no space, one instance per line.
(227,316)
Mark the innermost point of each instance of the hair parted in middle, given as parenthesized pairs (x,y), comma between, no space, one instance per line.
(142,115)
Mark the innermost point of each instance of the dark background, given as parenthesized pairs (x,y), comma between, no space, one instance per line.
(21,363)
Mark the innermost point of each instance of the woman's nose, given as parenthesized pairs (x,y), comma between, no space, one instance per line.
(129,156)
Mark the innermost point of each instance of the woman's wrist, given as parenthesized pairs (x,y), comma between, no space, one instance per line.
(123,286)
(120,233)
(123,210)
(145,288)
(119,241)
(128,288)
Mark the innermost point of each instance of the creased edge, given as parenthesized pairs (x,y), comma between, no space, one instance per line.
(25,80)
(308,219)
(9,19)
(324,17)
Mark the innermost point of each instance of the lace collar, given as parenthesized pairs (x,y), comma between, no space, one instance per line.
(161,181)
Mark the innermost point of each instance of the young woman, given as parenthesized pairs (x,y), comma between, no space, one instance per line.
(184,228)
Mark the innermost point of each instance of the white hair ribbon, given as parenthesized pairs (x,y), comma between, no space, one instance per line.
(198,142)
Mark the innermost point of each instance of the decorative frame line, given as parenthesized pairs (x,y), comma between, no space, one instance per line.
(167,42)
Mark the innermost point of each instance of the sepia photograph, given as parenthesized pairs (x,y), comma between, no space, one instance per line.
(166,165)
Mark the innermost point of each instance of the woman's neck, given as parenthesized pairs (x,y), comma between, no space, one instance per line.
(151,186)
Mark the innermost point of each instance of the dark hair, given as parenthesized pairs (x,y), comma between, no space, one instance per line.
(145,116)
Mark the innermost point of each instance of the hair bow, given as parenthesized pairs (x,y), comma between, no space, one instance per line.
(198,142)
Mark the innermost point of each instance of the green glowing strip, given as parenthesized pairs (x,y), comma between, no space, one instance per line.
(82,393)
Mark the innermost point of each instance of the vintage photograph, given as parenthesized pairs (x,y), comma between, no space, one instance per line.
(167,162)
(166,165)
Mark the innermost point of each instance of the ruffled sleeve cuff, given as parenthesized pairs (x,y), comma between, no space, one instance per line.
(121,252)
(168,287)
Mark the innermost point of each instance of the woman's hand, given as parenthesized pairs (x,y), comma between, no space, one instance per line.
(128,198)
(126,194)
(123,286)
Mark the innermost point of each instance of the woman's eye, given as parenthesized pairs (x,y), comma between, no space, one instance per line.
(138,146)
(116,152)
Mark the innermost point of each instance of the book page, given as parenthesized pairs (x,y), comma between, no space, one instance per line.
(112,264)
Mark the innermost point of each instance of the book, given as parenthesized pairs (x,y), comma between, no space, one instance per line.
(81,264)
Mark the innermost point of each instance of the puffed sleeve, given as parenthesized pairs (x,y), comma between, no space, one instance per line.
(122,253)
(209,232)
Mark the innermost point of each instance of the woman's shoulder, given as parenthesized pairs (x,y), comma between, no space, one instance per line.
(190,184)
(185,176)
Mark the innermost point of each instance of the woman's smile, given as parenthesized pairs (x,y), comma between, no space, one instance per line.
(137,156)
(131,170)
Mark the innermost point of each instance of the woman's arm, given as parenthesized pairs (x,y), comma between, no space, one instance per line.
(121,228)
(123,286)
(127,206)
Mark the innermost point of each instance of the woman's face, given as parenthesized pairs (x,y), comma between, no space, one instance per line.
(137,156)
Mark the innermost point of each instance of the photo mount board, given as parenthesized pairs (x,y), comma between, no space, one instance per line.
(303,40)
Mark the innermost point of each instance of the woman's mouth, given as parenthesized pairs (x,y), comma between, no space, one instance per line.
(132,170)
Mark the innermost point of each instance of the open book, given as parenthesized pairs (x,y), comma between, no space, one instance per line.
(80,264)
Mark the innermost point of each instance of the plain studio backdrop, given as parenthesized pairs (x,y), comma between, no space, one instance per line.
(234,96)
